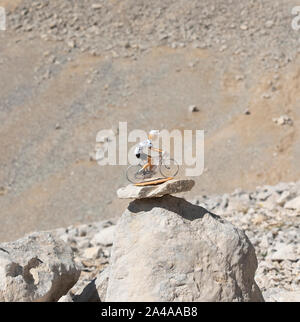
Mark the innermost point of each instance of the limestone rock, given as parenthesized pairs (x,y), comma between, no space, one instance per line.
(281,295)
(286,252)
(104,237)
(92,252)
(94,291)
(283,198)
(193,108)
(166,249)
(168,187)
(37,267)
(66,298)
(88,294)
(282,120)
(293,204)
(102,283)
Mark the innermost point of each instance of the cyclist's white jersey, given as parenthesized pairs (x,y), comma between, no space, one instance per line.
(145,144)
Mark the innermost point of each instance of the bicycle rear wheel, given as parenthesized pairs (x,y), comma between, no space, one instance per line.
(169,168)
(134,175)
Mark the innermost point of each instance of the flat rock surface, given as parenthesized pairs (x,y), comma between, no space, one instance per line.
(170,187)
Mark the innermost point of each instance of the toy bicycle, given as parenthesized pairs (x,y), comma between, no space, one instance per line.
(165,167)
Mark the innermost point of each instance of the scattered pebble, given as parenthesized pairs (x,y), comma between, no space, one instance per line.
(266,96)
(193,108)
(283,120)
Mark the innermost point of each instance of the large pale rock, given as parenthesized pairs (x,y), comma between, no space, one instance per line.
(166,249)
(38,267)
(169,187)
(293,204)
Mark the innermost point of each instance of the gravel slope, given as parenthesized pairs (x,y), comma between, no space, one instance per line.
(71,68)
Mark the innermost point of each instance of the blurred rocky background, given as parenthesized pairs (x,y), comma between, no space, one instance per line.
(69,68)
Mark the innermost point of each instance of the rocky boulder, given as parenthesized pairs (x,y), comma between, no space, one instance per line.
(38,267)
(150,191)
(167,249)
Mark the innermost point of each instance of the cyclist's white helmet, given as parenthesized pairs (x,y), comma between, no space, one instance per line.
(153,134)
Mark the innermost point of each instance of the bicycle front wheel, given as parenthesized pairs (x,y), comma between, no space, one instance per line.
(169,168)
(134,174)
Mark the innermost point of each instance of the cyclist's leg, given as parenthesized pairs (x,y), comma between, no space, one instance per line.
(145,166)
(149,162)
(144,157)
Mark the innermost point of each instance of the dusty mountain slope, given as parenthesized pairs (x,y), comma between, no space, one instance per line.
(59,85)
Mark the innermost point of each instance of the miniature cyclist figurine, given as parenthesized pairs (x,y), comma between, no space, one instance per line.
(166,167)
(147,144)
